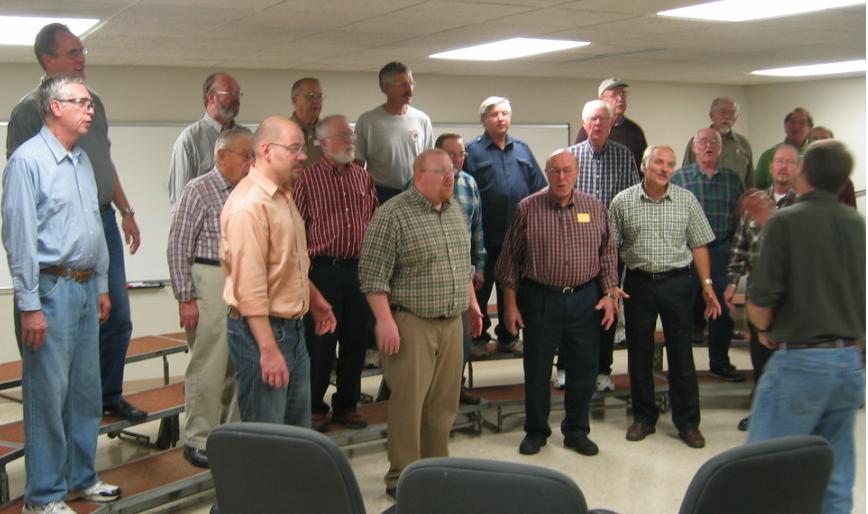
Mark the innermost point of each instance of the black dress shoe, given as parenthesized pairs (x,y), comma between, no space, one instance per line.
(125,410)
(639,431)
(391,492)
(727,372)
(744,423)
(530,445)
(467,398)
(197,457)
(582,445)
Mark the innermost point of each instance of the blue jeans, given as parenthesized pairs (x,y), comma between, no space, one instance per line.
(114,334)
(257,400)
(814,391)
(61,389)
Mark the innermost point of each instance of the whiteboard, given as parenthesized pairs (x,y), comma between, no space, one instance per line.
(141,153)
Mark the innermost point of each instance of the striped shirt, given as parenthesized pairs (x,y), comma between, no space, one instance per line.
(466,193)
(418,256)
(336,207)
(195,229)
(656,236)
(718,195)
(558,246)
(607,173)
(747,241)
(192,154)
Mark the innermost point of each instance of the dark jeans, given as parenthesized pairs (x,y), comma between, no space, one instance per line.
(338,281)
(114,334)
(720,329)
(384,194)
(482,296)
(568,322)
(670,297)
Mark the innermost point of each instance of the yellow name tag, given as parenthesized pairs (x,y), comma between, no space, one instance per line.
(583,217)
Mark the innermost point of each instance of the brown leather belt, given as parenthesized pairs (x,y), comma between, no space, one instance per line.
(233,313)
(79,275)
(832,343)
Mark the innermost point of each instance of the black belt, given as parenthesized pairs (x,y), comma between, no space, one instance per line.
(334,261)
(663,275)
(203,260)
(560,290)
(830,343)
(398,308)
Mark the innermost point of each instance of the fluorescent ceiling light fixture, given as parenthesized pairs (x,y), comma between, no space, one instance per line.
(811,70)
(509,49)
(22,30)
(747,10)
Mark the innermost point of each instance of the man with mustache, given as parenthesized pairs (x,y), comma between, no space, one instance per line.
(336,199)
(736,153)
(58,259)
(390,136)
(193,152)
(307,101)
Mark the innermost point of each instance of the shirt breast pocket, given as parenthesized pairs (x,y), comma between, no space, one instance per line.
(674,228)
(483,172)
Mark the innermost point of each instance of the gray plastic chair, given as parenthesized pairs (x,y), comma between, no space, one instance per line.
(456,485)
(788,475)
(268,468)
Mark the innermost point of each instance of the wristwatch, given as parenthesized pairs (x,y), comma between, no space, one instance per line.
(706,282)
(128,210)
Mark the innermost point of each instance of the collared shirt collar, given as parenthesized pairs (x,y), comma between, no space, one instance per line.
(489,142)
(214,123)
(224,184)
(555,204)
(644,194)
(262,181)
(424,202)
(298,122)
(57,149)
(698,169)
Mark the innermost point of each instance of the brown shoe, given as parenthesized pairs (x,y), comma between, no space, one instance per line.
(692,437)
(468,399)
(638,431)
(319,422)
(352,420)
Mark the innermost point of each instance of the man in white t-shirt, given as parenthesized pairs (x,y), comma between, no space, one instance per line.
(390,136)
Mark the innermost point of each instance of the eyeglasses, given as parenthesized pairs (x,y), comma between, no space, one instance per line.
(457,155)
(86,103)
(247,156)
(293,149)
(561,171)
(236,94)
(708,142)
(75,53)
(786,162)
(312,96)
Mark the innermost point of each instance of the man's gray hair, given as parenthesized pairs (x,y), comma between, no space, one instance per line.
(491,102)
(228,135)
(649,152)
(322,128)
(50,89)
(594,105)
(296,86)
(721,99)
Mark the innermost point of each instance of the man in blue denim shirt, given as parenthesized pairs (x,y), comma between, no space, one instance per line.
(505,171)
(807,299)
(58,260)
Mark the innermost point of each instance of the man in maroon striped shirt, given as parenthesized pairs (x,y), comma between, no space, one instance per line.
(336,199)
(558,273)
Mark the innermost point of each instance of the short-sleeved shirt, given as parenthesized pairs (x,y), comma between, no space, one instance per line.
(417,256)
(718,195)
(735,154)
(627,133)
(311,143)
(389,143)
(558,246)
(504,177)
(656,236)
(25,122)
(192,154)
(811,271)
(605,173)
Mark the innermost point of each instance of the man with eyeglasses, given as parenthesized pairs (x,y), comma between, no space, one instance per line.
(197,281)
(390,136)
(718,190)
(59,261)
(307,98)
(736,153)
(336,199)
(625,131)
(414,270)
(264,257)
(505,171)
(60,52)
(797,127)
(193,151)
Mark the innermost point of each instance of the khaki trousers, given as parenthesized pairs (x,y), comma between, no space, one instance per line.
(209,383)
(425,379)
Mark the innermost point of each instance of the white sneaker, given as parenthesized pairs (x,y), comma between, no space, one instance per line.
(604,383)
(561,381)
(99,492)
(49,508)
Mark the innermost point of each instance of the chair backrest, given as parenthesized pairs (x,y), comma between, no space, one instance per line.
(787,475)
(268,468)
(470,486)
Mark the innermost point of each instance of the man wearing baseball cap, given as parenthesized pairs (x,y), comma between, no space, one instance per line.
(624,130)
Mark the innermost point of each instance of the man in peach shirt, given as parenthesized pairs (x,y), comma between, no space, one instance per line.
(264,257)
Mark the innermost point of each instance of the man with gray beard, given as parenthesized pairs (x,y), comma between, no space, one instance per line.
(193,152)
(336,198)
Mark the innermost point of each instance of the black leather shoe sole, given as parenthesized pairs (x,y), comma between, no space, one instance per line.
(125,410)
(531,445)
(584,446)
(196,457)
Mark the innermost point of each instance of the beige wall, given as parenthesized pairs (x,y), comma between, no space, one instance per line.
(669,112)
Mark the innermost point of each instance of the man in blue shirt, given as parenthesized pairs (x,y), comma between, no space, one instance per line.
(505,171)
(58,259)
